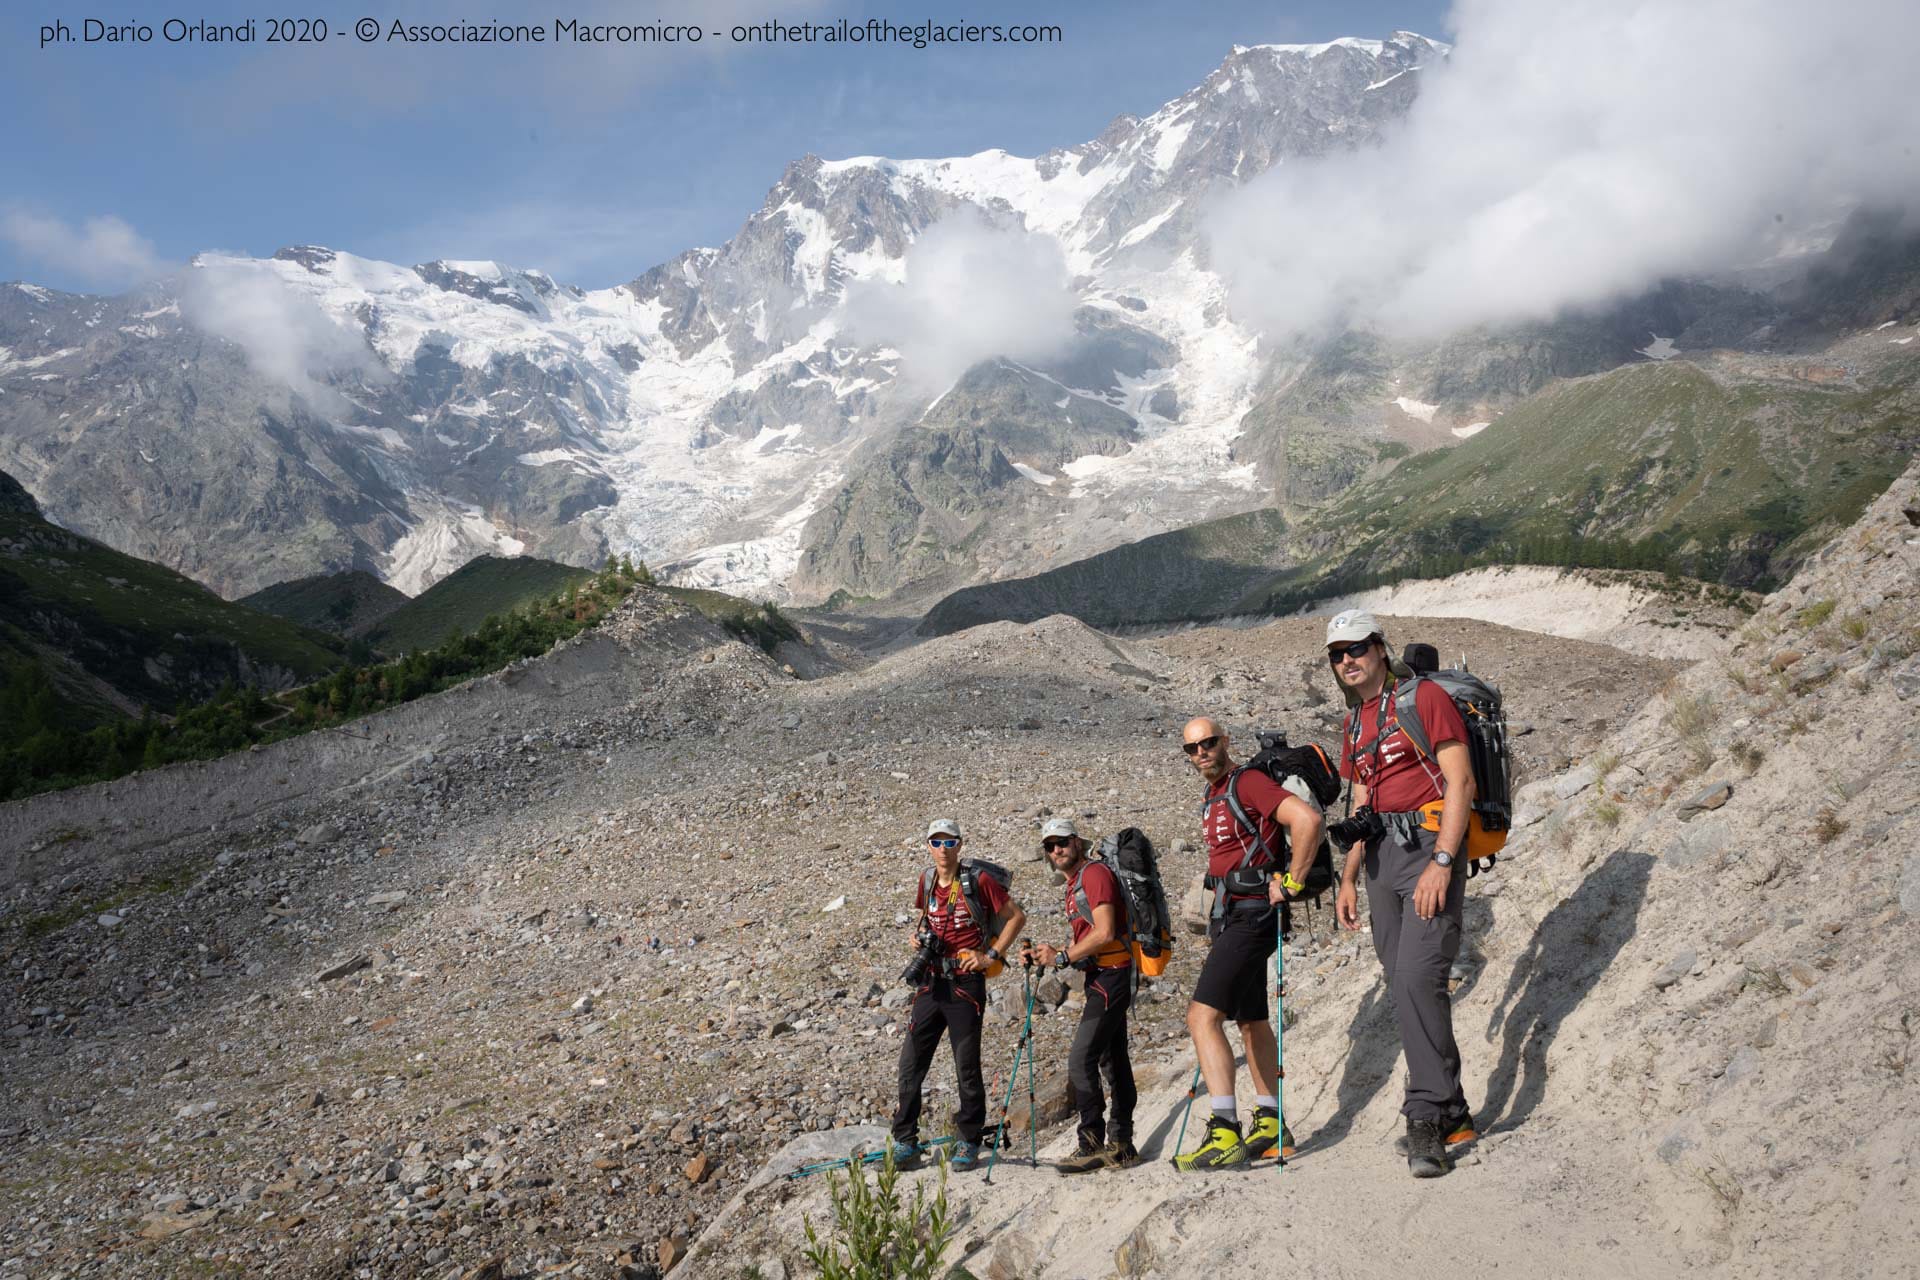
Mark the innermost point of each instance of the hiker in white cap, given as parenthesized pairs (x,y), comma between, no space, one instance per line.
(1416,886)
(1097,920)
(960,903)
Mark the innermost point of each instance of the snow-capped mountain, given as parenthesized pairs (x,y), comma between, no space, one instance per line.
(253,420)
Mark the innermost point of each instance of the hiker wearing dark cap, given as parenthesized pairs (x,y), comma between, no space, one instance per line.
(1250,889)
(958,903)
(1416,886)
(1097,916)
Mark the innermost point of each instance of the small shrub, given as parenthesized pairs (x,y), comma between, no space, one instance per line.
(1748,755)
(1829,826)
(875,1236)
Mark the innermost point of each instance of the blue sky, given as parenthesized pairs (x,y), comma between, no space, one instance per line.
(594,164)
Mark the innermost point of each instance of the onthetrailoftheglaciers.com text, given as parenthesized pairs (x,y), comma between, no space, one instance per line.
(560,31)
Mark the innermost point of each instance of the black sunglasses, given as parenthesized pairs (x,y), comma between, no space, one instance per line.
(1056,842)
(1207,743)
(1339,652)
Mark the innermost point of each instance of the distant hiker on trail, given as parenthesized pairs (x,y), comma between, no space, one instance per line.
(958,902)
(1249,886)
(1415,887)
(1097,915)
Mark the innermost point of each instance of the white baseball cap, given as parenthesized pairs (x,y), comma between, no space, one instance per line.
(943,827)
(1057,827)
(1353,624)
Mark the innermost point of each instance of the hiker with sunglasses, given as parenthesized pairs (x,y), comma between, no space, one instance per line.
(1097,915)
(1416,888)
(957,906)
(1245,929)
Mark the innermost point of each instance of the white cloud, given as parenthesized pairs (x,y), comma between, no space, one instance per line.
(286,336)
(102,251)
(1571,153)
(971,291)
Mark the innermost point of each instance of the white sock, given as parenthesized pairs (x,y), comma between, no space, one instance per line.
(1224,1108)
(1267,1100)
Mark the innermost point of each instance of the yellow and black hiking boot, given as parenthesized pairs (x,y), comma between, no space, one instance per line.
(1223,1148)
(1454,1130)
(1266,1131)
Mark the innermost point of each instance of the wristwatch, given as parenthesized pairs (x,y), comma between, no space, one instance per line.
(1442,857)
(993,954)
(1060,960)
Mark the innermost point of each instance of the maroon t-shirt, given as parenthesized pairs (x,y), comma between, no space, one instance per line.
(953,923)
(1385,762)
(1227,841)
(1102,887)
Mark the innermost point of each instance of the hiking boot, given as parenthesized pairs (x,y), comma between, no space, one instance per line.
(1426,1152)
(1223,1148)
(1454,1130)
(966,1156)
(1120,1155)
(906,1154)
(1086,1159)
(1265,1131)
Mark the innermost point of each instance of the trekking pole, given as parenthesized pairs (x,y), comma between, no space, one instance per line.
(1193,1088)
(1033,1110)
(1013,1075)
(1279,1028)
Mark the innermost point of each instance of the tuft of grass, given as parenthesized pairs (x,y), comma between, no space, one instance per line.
(1816,613)
(1829,826)
(1692,718)
(1605,812)
(1855,627)
(1768,979)
(1748,755)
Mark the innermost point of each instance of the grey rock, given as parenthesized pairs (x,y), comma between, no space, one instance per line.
(1910,885)
(1743,1066)
(1705,800)
(1674,970)
(319,833)
(343,969)
(1906,680)
(1700,842)
(1574,781)
(897,998)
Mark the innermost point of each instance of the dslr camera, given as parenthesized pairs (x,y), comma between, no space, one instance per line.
(924,958)
(1364,825)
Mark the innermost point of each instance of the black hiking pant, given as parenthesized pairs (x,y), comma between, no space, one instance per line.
(1100,1048)
(1417,956)
(954,1006)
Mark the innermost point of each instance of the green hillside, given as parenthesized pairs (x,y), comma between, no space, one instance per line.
(1647,467)
(109,634)
(461,600)
(340,603)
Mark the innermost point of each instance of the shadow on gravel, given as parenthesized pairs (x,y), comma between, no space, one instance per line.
(1573,946)
(1374,1047)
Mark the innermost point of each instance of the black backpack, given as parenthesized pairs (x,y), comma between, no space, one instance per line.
(1279,761)
(1488,753)
(1129,855)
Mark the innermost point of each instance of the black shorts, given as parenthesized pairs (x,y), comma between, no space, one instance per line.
(1233,978)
